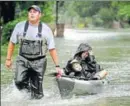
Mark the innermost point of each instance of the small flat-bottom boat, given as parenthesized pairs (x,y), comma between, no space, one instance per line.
(72,86)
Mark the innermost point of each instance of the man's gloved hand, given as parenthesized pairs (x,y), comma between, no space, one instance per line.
(60,72)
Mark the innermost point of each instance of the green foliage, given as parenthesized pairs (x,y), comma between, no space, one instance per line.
(90,8)
(47,10)
(124,11)
(82,8)
(122,8)
(8,28)
(97,21)
(67,14)
(85,9)
(69,11)
(106,14)
(80,25)
(88,21)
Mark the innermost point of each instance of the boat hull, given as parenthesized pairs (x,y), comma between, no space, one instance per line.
(70,86)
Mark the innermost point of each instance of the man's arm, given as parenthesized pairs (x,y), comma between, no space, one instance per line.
(9,54)
(53,54)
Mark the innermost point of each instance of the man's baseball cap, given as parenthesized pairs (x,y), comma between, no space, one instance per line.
(35,7)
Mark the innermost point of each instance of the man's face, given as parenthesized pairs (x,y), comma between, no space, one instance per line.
(34,15)
(84,55)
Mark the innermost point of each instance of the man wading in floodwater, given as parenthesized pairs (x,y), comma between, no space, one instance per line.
(34,38)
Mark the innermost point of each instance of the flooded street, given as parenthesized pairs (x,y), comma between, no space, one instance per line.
(112,52)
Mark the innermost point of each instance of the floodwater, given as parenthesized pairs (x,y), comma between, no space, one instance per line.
(112,51)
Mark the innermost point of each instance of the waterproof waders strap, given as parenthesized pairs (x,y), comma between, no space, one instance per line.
(26,28)
(39,29)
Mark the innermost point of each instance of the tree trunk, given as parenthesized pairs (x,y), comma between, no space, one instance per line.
(59,27)
(0,22)
(57,12)
(0,33)
(116,24)
(0,11)
(60,30)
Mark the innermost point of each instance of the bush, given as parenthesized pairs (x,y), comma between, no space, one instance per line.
(8,28)
(88,21)
(107,15)
(80,25)
(97,21)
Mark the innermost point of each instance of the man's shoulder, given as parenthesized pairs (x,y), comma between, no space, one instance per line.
(22,23)
(45,26)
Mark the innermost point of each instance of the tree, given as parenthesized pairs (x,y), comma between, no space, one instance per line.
(59,26)
(124,10)
(90,8)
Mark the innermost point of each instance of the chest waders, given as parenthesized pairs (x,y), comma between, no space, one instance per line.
(31,64)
